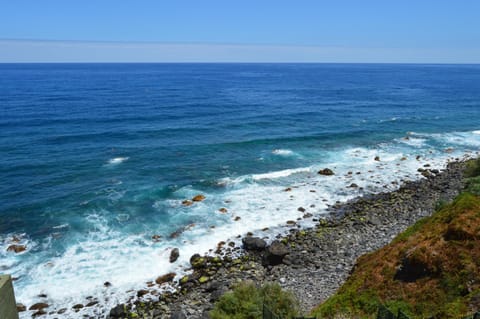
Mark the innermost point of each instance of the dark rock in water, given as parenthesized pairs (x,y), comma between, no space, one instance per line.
(174,254)
(176,233)
(253,243)
(17,248)
(198,198)
(118,312)
(326,172)
(377,158)
(353,185)
(107,284)
(165,278)
(275,253)
(77,306)
(62,311)
(223,210)
(39,313)
(156,238)
(178,315)
(187,202)
(38,306)
(21,307)
(142,292)
(91,303)
(301,209)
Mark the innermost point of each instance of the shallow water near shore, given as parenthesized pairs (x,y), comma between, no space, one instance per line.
(97,159)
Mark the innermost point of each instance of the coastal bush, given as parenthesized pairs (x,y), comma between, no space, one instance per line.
(473,168)
(246,302)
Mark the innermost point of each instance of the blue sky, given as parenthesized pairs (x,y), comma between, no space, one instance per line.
(242,31)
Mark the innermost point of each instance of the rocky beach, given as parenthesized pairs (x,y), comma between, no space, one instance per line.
(312,263)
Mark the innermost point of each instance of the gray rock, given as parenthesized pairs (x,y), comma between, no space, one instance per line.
(178,315)
(253,243)
(118,312)
(275,254)
(174,254)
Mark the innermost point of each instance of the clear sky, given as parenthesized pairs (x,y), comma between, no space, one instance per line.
(243,30)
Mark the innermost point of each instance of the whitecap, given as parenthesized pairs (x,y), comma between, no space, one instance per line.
(283,152)
(117,160)
(280,174)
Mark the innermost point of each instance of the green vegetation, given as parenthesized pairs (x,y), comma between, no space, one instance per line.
(246,302)
(430,270)
(473,168)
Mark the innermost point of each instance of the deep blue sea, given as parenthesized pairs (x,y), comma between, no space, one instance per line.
(95,159)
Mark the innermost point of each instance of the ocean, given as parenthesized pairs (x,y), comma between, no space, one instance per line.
(96,159)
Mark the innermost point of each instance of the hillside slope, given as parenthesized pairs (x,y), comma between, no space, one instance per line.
(430,270)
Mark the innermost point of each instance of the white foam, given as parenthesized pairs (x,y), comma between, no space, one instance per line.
(280,174)
(412,141)
(283,152)
(117,160)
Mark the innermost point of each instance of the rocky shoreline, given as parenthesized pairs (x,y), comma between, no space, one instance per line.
(312,263)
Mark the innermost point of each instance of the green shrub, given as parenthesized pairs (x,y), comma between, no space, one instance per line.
(473,185)
(246,302)
(473,168)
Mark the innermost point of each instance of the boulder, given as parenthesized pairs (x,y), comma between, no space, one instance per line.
(223,210)
(118,312)
(253,243)
(275,253)
(326,172)
(174,254)
(178,315)
(165,278)
(197,261)
(377,158)
(17,248)
(21,307)
(38,306)
(198,198)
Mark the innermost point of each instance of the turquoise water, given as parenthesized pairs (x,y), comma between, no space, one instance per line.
(97,158)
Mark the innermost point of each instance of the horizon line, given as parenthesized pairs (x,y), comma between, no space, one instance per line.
(73,51)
